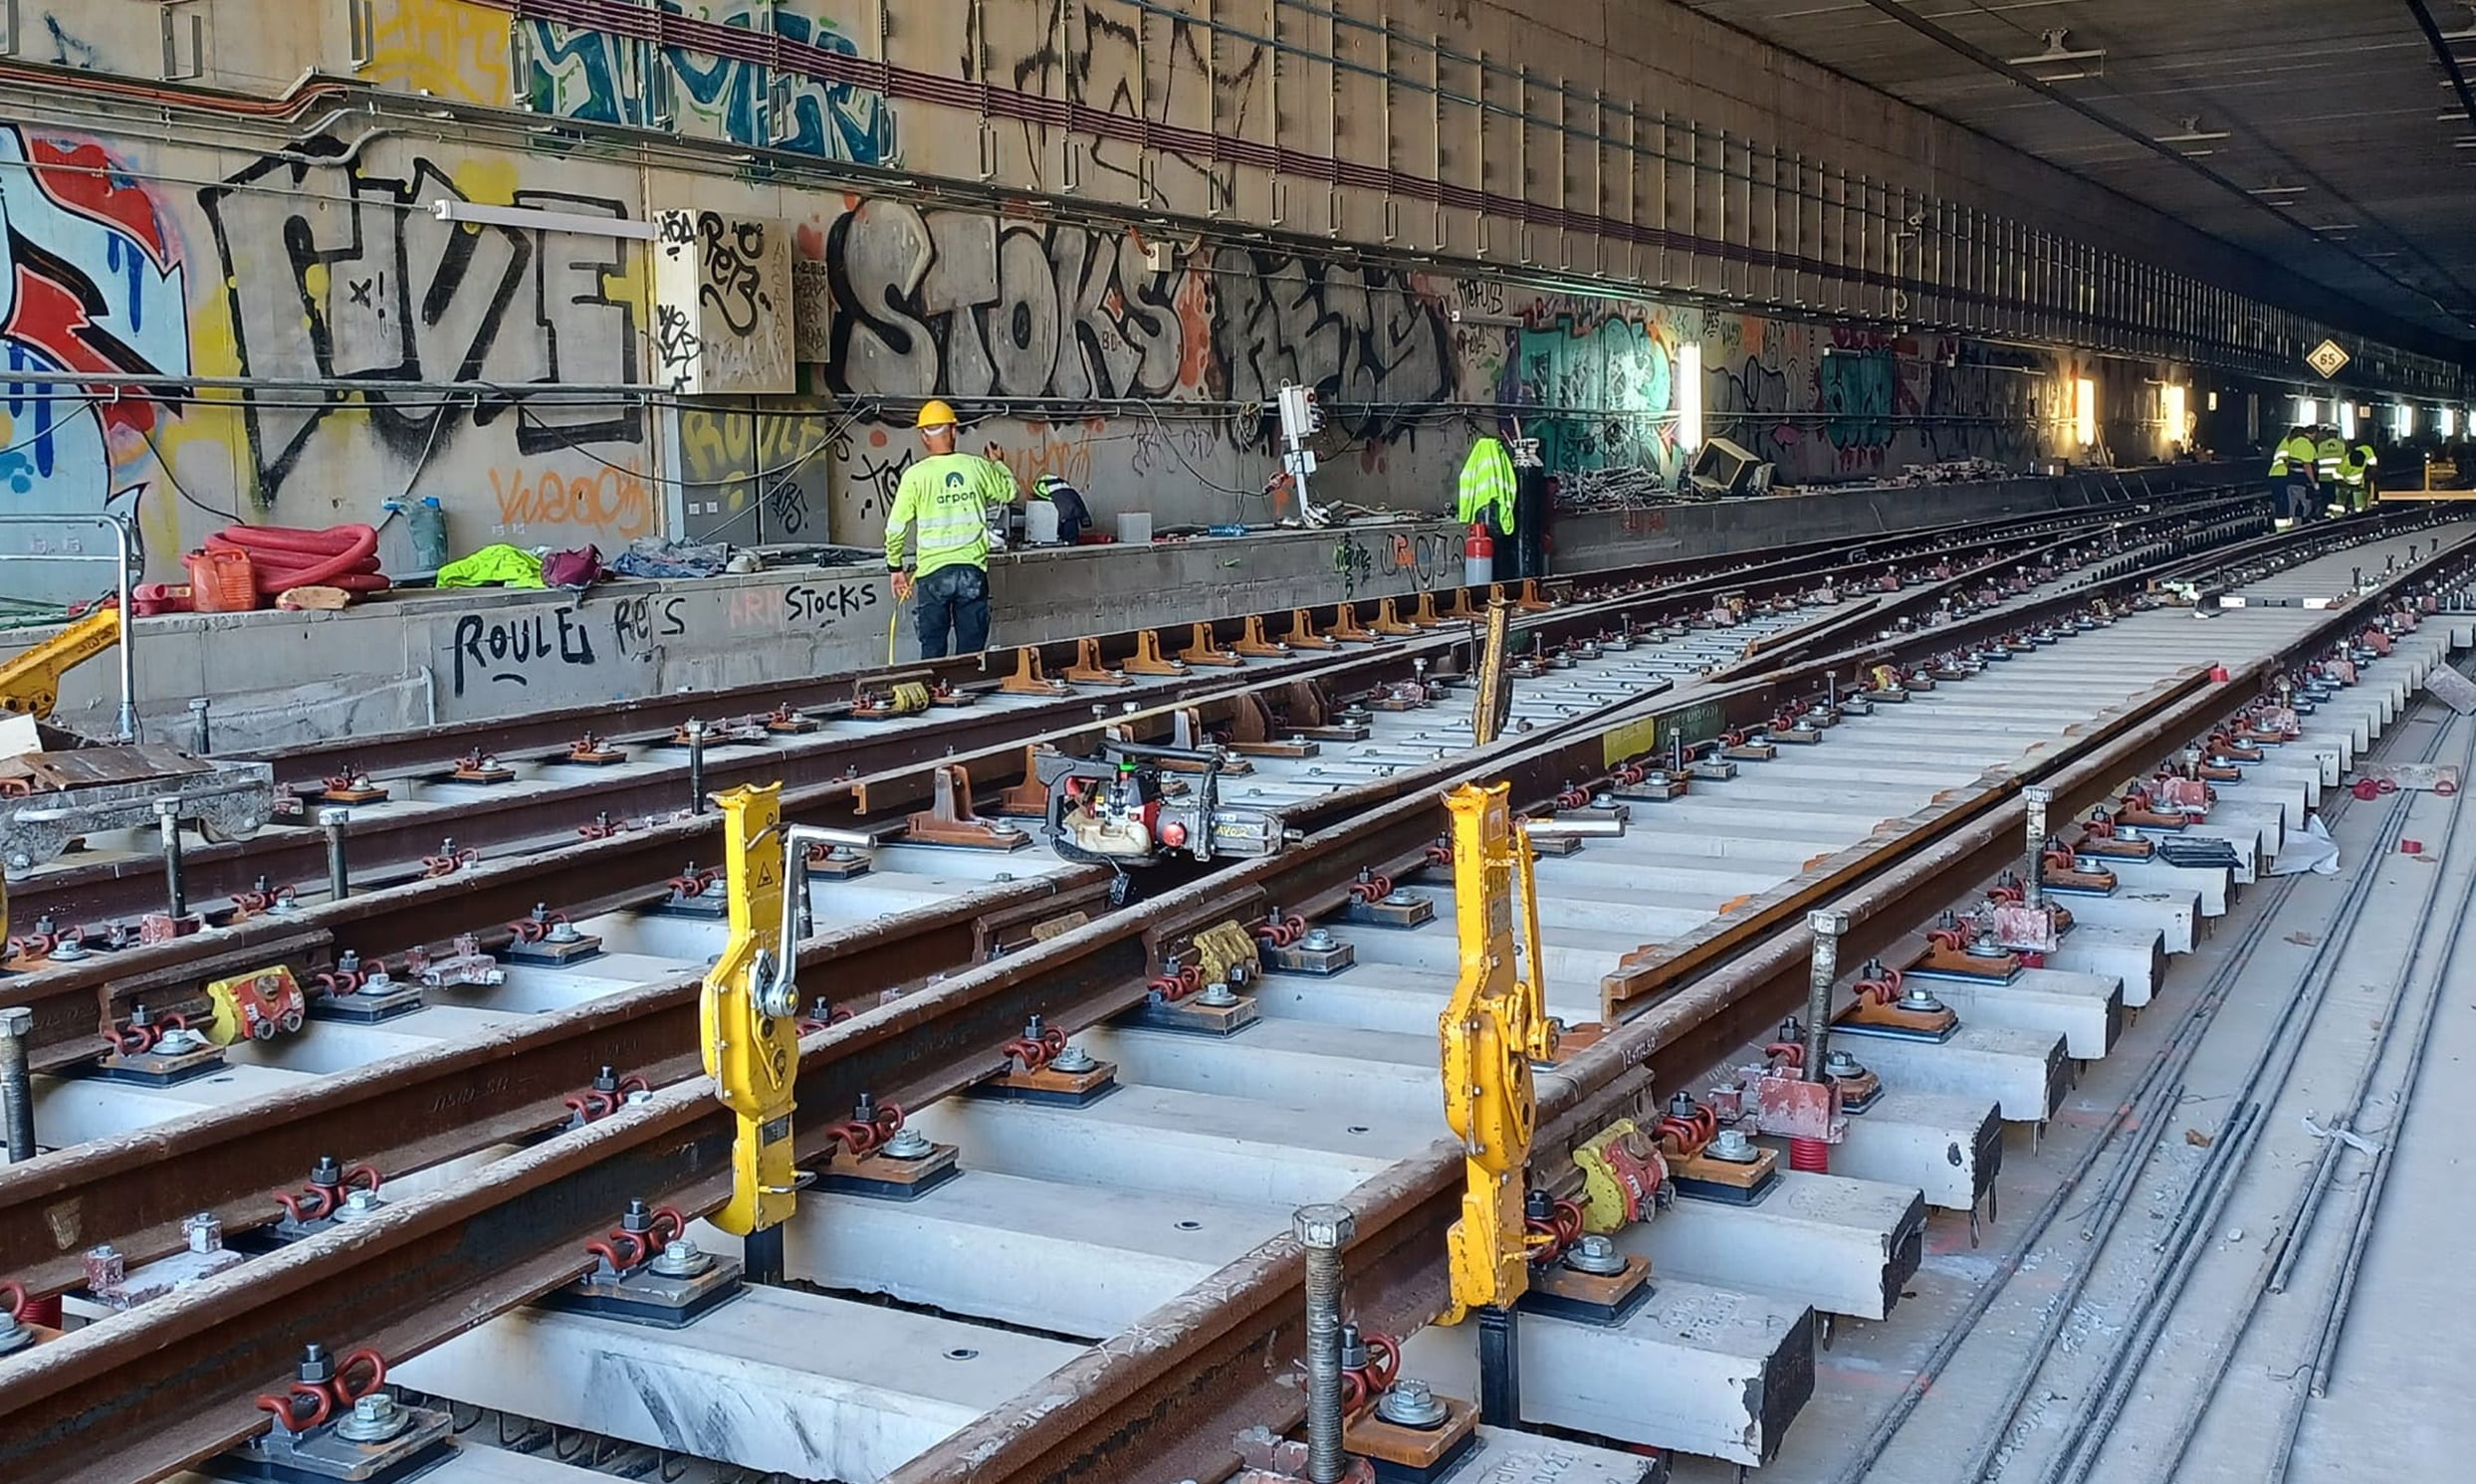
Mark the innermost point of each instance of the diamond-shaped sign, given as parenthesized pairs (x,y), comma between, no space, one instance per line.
(2328,360)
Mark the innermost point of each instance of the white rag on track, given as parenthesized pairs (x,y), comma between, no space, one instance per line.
(2308,849)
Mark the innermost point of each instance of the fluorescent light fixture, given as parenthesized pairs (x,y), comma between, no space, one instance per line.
(528,219)
(2174,410)
(2193,133)
(2307,411)
(1690,396)
(2448,418)
(2085,411)
(2278,191)
(2057,53)
(2213,401)
(2347,421)
(2403,421)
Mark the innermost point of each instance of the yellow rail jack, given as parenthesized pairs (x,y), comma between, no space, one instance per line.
(1495,1027)
(749,1014)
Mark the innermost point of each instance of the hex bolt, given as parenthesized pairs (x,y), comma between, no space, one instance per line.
(375,1418)
(1827,927)
(1323,1230)
(317,1366)
(339,873)
(2033,878)
(175,890)
(17,1093)
(197,710)
(696,766)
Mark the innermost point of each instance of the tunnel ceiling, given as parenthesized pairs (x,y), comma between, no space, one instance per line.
(2341,98)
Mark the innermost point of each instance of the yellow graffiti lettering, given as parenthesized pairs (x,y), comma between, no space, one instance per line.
(451,49)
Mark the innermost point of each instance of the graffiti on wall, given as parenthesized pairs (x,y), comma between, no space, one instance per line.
(722,304)
(336,269)
(444,48)
(1610,371)
(965,305)
(606,503)
(572,72)
(92,283)
(1859,392)
(1156,64)
(731,459)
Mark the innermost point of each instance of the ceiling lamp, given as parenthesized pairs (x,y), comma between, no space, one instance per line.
(2193,133)
(2074,62)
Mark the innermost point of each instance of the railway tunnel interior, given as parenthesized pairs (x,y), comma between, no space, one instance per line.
(1233,739)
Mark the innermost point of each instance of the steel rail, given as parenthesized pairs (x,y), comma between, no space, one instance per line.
(73,1003)
(390,844)
(130,1400)
(135,1190)
(546,732)
(1168,1394)
(138,1188)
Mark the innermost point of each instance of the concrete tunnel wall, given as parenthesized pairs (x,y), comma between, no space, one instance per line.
(1117,314)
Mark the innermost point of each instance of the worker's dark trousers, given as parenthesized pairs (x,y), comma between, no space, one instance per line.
(1529,542)
(2300,499)
(956,599)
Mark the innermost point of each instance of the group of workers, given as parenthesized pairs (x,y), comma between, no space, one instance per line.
(942,507)
(2320,472)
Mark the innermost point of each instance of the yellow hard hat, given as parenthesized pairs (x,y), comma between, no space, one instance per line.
(935,414)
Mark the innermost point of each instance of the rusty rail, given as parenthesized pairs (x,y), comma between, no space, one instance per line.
(130,1400)
(389,845)
(1184,1380)
(73,1003)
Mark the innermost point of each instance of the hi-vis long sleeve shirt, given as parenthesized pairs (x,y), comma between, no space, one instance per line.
(948,497)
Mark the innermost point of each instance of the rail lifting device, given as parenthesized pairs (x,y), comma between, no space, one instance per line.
(748,1013)
(1492,1030)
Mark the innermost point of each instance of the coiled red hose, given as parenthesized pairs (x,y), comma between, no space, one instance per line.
(282,556)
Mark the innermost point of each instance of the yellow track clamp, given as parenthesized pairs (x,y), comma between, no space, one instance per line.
(1622,1172)
(256,1006)
(751,1038)
(910,698)
(1222,947)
